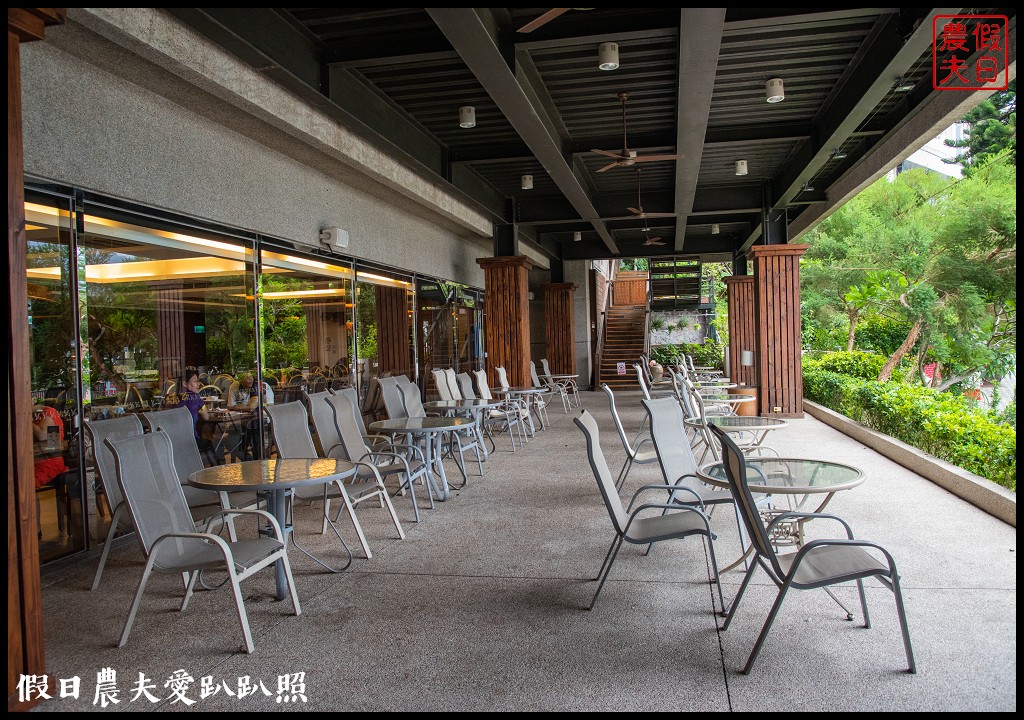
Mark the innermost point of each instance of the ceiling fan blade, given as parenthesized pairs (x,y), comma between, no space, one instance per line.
(609,166)
(635,211)
(659,215)
(609,153)
(543,19)
(656,158)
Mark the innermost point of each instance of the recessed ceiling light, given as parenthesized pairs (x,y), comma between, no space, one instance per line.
(608,56)
(774,90)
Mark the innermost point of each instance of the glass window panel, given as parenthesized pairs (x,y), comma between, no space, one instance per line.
(306,308)
(61,498)
(162,303)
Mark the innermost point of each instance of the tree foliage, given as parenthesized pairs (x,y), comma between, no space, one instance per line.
(991,131)
(932,256)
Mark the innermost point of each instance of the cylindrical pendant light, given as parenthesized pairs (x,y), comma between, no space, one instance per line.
(741,167)
(467,116)
(608,56)
(774,91)
(577,236)
(715,229)
(526,182)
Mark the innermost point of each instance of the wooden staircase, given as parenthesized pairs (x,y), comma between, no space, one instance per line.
(624,330)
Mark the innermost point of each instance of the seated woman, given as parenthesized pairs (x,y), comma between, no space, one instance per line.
(191,399)
(48,468)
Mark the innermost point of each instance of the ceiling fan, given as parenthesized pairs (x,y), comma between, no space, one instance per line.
(638,211)
(628,157)
(651,240)
(546,18)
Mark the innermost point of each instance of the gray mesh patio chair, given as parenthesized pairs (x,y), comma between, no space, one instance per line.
(457,440)
(289,424)
(524,407)
(468,392)
(466,386)
(98,432)
(177,423)
(390,459)
(453,383)
(678,466)
(391,395)
(538,402)
(441,384)
(633,454)
(565,387)
(322,417)
(636,524)
(506,416)
(817,564)
(168,536)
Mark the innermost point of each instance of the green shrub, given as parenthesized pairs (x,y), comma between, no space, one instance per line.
(865,366)
(945,425)
(708,354)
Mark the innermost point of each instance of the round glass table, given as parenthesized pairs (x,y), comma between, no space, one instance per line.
(797,480)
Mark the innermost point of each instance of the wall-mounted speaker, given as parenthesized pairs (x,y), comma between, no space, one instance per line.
(334,238)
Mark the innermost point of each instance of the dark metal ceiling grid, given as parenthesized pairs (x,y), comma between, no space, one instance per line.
(405,57)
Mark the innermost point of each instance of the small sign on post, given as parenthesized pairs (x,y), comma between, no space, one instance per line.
(620,368)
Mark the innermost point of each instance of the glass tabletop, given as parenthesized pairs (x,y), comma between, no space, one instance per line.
(788,475)
(464,404)
(424,424)
(267,474)
(745,422)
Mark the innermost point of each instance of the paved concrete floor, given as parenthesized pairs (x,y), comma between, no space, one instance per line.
(483,606)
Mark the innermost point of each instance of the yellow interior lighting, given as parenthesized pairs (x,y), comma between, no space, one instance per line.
(291,262)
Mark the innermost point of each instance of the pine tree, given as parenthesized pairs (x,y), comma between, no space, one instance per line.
(991,130)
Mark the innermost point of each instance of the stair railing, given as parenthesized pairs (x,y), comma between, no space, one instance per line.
(602,325)
(647,318)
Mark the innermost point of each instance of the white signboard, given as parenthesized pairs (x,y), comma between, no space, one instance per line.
(620,368)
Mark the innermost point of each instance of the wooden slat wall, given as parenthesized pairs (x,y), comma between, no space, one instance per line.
(394,354)
(599,286)
(777,303)
(630,288)
(316,352)
(558,328)
(507,333)
(170,333)
(742,327)
(25,650)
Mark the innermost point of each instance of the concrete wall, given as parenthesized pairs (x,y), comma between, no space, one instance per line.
(107,117)
(577,271)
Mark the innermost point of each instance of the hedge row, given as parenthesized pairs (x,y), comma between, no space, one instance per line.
(706,354)
(945,425)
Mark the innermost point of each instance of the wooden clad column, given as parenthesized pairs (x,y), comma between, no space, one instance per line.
(394,353)
(742,327)
(777,307)
(507,304)
(558,328)
(170,331)
(25,652)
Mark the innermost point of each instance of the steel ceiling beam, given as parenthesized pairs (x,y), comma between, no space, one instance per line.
(697,64)
(885,56)
(475,36)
